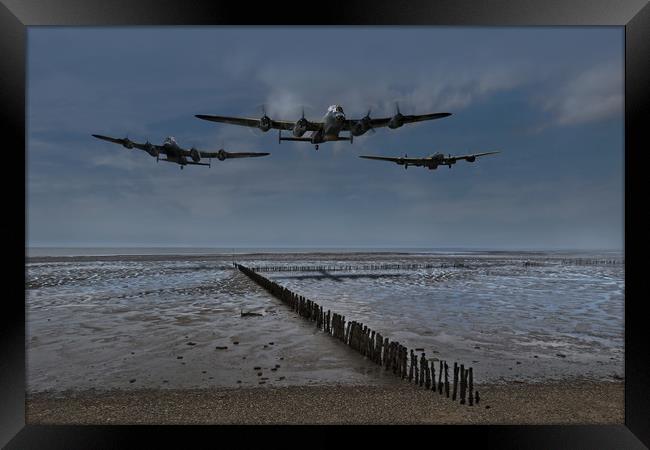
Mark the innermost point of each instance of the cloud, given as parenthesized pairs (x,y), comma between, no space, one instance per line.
(593,95)
(291,87)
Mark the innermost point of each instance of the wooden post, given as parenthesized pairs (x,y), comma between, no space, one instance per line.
(378,344)
(411,369)
(477,397)
(364,336)
(446,380)
(427,375)
(453,396)
(471,387)
(462,384)
(440,378)
(417,372)
(423,361)
(386,354)
(433,376)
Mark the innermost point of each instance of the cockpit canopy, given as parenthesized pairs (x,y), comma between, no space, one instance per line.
(335,108)
(169,140)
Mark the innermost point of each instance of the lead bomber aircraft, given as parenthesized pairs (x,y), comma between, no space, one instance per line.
(326,130)
(431,162)
(175,154)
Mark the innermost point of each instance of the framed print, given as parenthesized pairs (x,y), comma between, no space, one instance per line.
(380,214)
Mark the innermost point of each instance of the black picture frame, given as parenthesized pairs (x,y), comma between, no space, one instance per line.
(16,15)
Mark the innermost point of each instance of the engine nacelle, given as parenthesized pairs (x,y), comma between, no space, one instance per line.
(396,121)
(360,127)
(221,155)
(265,123)
(300,127)
(194,154)
(471,159)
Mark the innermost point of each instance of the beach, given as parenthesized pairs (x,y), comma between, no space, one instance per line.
(189,339)
(571,402)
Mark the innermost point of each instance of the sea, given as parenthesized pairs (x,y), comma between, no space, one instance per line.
(157,318)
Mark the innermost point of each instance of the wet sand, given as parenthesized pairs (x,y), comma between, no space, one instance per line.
(572,402)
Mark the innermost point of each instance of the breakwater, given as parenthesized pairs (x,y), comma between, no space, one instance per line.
(390,355)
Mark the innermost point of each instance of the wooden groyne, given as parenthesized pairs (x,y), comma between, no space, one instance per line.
(390,355)
(592,262)
(429,265)
(351,267)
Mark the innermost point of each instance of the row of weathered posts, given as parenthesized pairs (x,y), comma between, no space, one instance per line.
(591,262)
(418,266)
(348,267)
(390,355)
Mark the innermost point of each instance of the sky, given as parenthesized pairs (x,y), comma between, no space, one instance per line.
(549,98)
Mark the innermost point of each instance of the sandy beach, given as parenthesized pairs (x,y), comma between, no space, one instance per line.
(575,402)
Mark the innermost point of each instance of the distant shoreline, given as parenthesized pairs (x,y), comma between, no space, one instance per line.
(571,402)
(56,254)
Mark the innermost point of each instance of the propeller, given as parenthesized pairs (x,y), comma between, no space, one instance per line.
(264,120)
(302,119)
(398,112)
(127,142)
(398,119)
(406,164)
(368,121)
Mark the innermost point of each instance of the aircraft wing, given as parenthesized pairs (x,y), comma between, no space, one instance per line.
(126,141)
(399,160)
(470,157)
(109,139)
(254,123)
(383,122)
(226,155)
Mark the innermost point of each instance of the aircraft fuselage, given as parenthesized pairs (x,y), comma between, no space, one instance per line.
(174,152)
(333,122)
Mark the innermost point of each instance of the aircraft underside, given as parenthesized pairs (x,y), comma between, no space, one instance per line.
(316,137)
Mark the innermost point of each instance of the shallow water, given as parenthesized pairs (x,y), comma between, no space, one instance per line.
(103,322)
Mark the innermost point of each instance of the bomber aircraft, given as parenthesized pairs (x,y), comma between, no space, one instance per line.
(175,154)
(328,128)
(432,162)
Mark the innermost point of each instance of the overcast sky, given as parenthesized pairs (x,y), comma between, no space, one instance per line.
(551,99)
